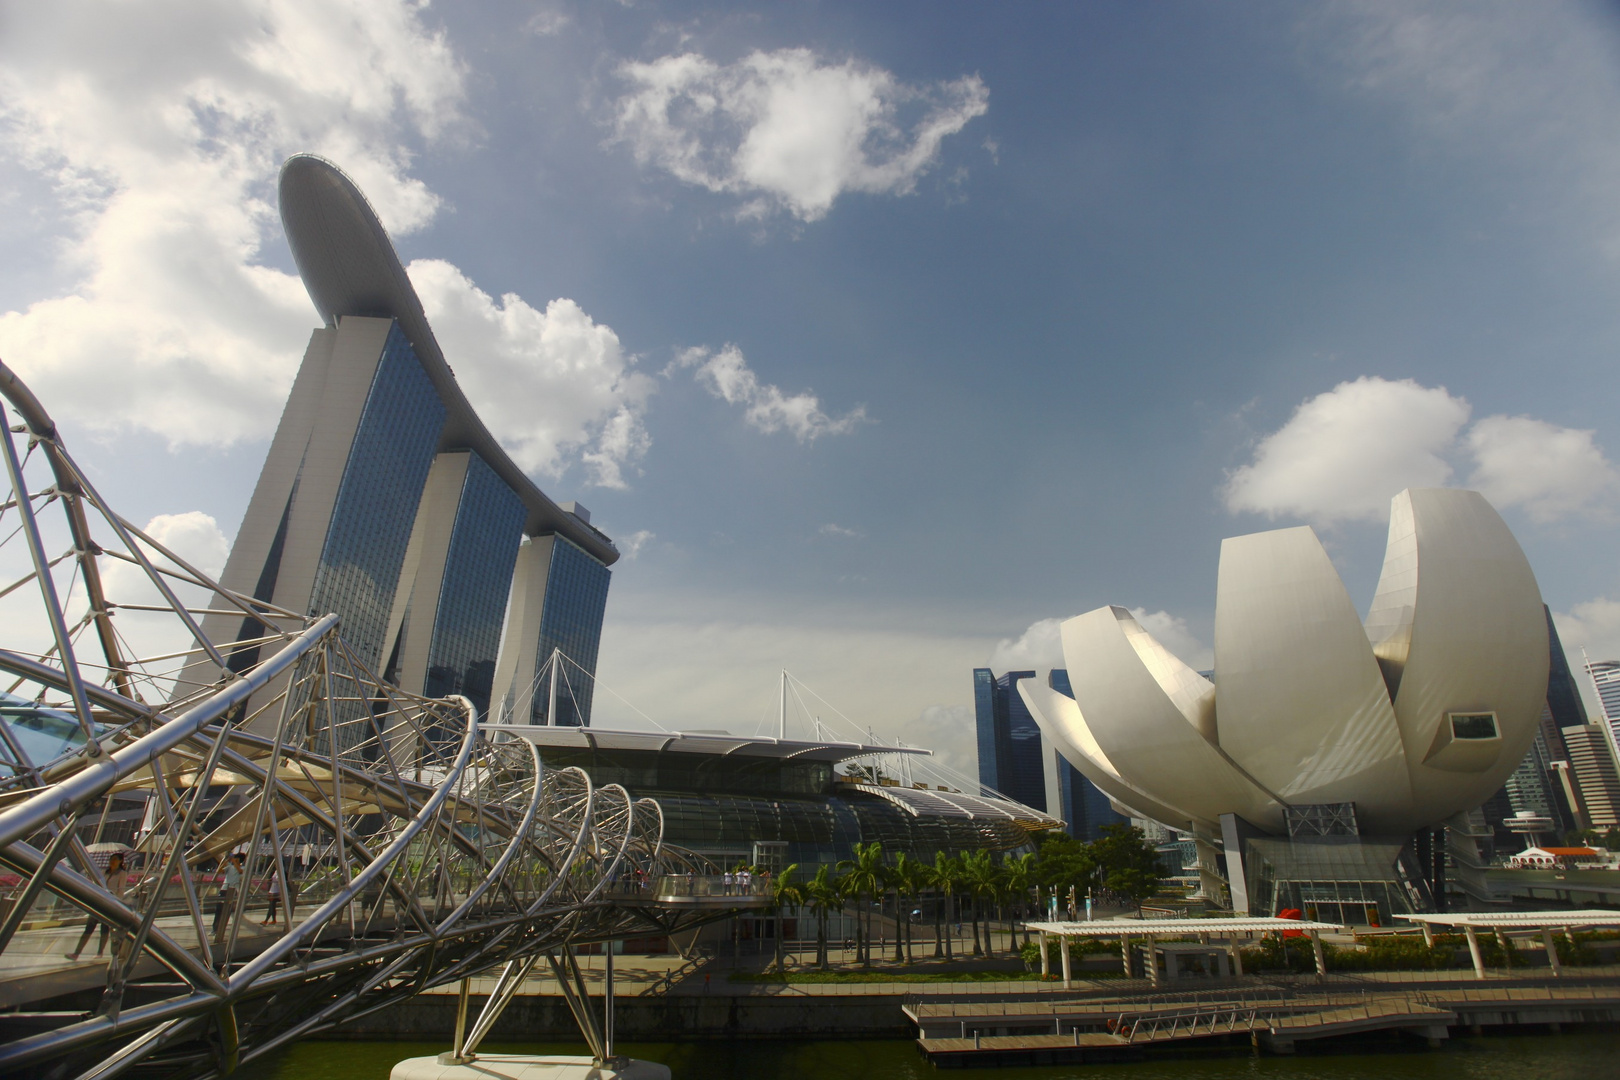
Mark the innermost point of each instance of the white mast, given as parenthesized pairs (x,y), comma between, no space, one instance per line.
(551,707)
(781,715)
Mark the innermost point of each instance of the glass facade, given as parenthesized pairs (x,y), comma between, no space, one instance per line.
(1014,767)
(41,734)
(648,770)
(822,831)
(721,805)
(1335,880)
(1012,755)
(576,599)
(394,445)
(472,593)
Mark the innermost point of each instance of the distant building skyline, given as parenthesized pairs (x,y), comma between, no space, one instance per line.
(1016,760)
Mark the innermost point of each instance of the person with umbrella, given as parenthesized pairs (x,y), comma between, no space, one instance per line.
(116,880)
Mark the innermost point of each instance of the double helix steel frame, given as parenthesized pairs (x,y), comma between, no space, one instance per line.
(404,847)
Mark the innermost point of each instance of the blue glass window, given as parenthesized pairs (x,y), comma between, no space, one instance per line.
(576,599)
(393,448)
(472,594)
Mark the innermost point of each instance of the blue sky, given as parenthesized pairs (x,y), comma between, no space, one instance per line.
(878,335)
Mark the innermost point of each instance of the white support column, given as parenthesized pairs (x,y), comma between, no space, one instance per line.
(1473,952)
(607,1000)
(1150,957)
(1236,949)
(1125,954)
(1046,959)
(1316,950)
(1063,949)
(1552,951)
(1428,934)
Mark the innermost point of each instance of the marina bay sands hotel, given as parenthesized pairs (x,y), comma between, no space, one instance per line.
(385,499)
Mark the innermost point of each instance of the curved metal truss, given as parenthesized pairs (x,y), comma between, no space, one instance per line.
(386,844)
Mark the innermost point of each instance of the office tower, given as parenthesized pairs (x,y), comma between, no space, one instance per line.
(1606,677)
(1015,760)
(1009,740)
(1598,781)
(1538,784)
(385,499)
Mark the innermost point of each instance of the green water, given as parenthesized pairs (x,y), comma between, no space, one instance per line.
(1583,1056)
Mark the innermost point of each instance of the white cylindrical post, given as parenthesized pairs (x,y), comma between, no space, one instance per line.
(607,1000)
(551,706)
(461,1017)
(1063,948)
(1316,950)
(1046,959)
(1151,959)
(1552,951)
(1473,952)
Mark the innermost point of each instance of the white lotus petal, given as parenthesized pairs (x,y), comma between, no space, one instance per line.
(1302,703)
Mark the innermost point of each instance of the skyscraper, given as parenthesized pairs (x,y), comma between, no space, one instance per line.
(1592,762)
(1606,677)
(386,500)
(1009,739)
(1015,760)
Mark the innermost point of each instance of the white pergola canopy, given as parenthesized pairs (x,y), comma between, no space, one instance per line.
(1502,923)
(1150,929)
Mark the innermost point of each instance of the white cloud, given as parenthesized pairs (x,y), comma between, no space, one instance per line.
(1523,92)
(1551,471)
(789,129)
(950,731)
(548,383)
(1041,645)
(631,545)
(1171,632)
(161,127)
(1037,648)
(1345,453)
(727,376)
(839,532)
(193,536)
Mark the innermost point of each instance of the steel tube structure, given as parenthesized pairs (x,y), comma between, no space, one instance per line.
(404,846)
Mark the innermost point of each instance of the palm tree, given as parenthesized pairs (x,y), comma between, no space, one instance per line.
(942,876)
(863,877)
(895,879)
(785,892)
(913,876)
(980,877)
(1018,873)
(826,895)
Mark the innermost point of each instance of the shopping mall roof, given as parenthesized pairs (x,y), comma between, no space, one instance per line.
(717,743)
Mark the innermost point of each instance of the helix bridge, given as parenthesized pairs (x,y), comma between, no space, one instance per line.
(382,842)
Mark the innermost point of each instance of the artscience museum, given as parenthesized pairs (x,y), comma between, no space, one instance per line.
(1314,763)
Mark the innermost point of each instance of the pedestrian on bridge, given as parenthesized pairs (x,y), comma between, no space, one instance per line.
(227,895)
(273,893)
(116,879)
